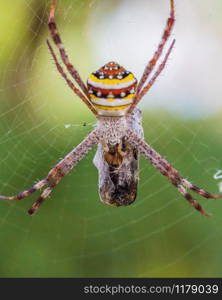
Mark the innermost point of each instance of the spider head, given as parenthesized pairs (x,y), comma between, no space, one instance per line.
(112,89)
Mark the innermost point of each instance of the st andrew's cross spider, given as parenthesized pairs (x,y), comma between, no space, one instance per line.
(112,94)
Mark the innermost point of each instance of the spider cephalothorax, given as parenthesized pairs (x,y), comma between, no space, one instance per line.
(112,89)
(112,95)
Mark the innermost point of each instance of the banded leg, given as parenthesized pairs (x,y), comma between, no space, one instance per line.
(171,173)
(58,172)
(196,189)
(58,42)
(157,54)
(28,192)
(69,82)
(45,194)
(191,200)
(152,80)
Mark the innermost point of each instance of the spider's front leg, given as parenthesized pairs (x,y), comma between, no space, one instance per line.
(58,172)
(171,173)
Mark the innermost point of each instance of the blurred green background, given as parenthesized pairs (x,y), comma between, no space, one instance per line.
(74,234)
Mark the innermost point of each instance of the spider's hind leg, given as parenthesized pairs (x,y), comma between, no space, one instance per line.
(60,170)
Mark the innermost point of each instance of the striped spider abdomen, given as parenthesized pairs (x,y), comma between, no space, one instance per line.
(112,89)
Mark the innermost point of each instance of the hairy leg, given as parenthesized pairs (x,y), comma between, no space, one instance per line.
(156,74)
(58,42)
(167,170)
(139,96)
(191,200)
(40,184)
(58,172)
(157,54)
(69,82)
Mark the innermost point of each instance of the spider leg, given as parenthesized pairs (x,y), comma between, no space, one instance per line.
(69,82)
(156,74)
(28,192)
(196,189)
(152,80)
(58,172)
(167,170)
(157,54)
(65,166)
(192,201)
(45,194)
(58,42)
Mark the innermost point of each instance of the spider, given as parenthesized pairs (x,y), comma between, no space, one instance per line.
(112,94)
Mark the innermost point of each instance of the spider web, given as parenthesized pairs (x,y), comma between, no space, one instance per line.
(74,234)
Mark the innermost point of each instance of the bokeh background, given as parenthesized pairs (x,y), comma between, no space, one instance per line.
(74,234)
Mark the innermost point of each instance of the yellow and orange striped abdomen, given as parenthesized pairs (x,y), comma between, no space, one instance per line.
(112,89)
